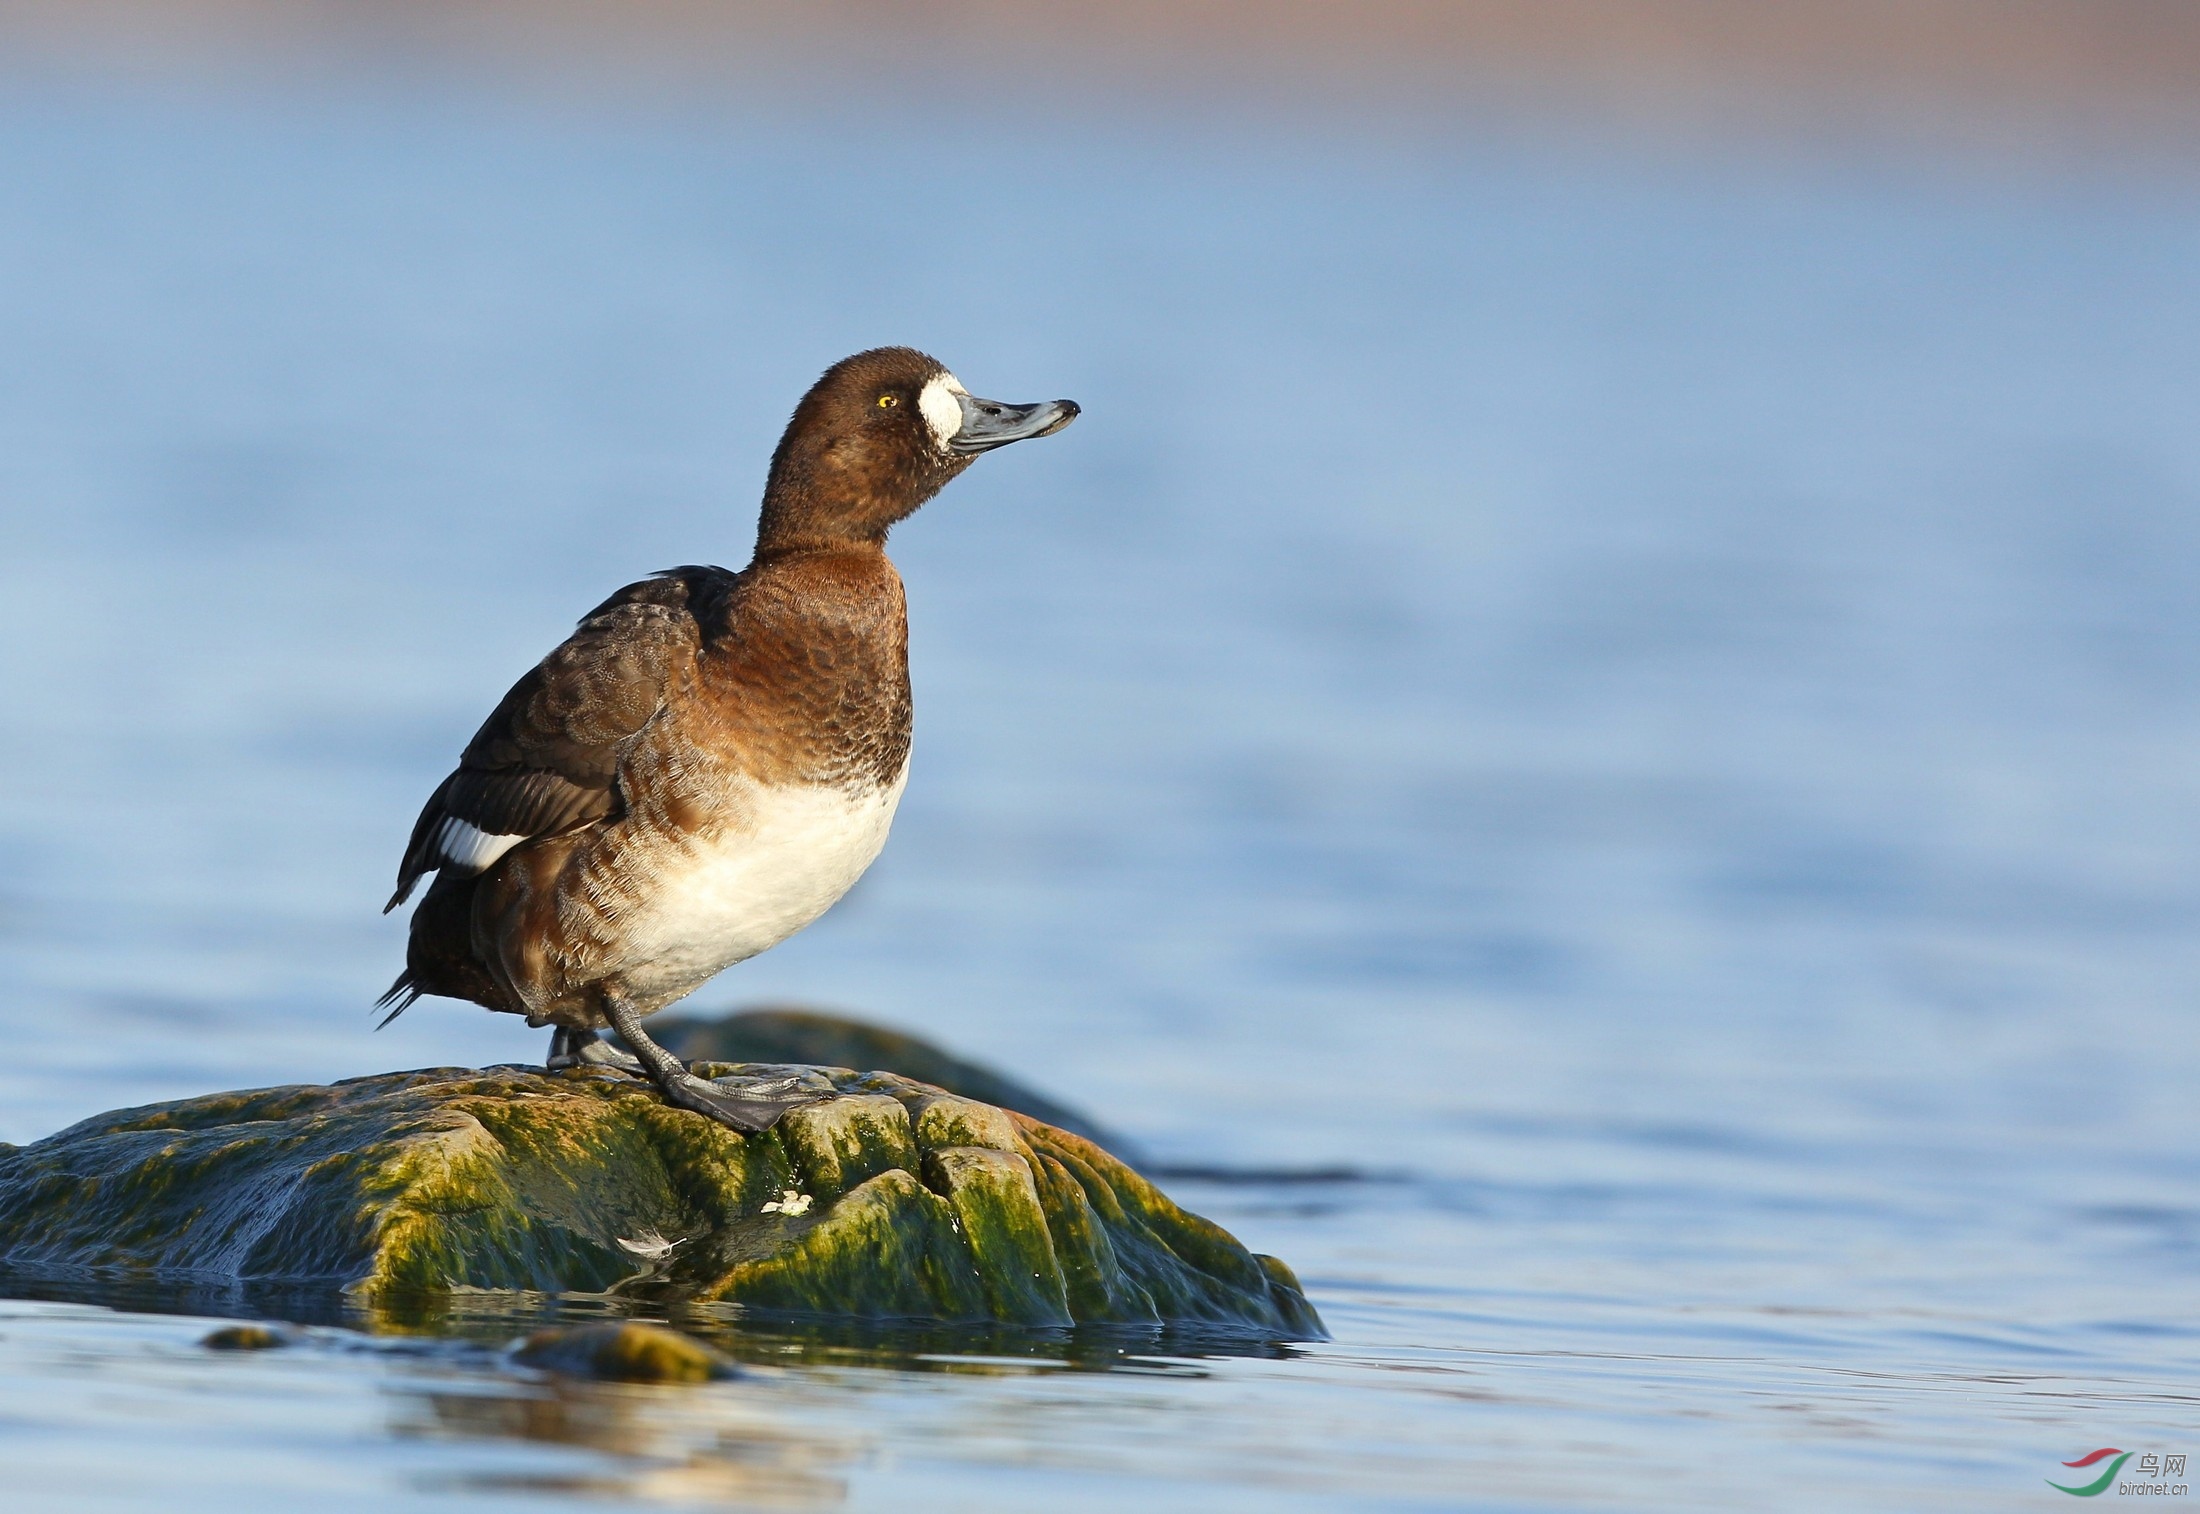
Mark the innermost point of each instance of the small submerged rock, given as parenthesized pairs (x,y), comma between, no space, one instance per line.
(894,1199)
(624,1351)
(245,1338)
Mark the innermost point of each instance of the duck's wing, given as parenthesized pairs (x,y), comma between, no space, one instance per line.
(547,760)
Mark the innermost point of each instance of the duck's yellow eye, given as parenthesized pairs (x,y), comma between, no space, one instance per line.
(887,402)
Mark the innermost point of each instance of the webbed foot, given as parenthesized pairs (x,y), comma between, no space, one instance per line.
(584,1048)
(749,1107)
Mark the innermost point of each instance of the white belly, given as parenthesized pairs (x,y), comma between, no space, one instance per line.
(781,858)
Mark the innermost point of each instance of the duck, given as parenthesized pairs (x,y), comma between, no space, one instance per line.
(712,758)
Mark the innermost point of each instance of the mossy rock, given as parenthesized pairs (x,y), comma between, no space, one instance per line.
(893,1199)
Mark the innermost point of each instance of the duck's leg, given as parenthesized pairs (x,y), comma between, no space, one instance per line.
(584,1048)
(747,1108)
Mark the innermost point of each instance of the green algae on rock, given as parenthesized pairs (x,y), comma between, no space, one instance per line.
(894,1200)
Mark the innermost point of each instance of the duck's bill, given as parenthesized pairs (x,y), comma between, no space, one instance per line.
(987,424)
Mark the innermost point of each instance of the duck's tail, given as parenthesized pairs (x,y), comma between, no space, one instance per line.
(439,953)
(397,998)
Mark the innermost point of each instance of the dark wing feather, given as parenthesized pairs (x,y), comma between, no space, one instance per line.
(547,759)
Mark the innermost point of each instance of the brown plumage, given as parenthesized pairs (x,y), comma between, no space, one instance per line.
(712,757)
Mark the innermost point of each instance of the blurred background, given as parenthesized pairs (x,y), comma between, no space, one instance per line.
(1616,650)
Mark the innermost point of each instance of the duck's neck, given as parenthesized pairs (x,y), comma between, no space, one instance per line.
(798,520)
(834,498)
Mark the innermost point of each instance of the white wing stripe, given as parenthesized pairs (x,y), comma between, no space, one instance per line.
(460,845)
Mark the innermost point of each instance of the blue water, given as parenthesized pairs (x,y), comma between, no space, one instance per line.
(1643,696)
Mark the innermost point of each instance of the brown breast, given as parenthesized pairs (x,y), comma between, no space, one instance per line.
(805,671)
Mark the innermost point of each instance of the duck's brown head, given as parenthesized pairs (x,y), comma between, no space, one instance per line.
(877,436)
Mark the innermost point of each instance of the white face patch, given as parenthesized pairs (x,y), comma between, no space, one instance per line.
(943,412)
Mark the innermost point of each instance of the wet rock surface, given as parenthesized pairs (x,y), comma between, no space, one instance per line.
(892,1200)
